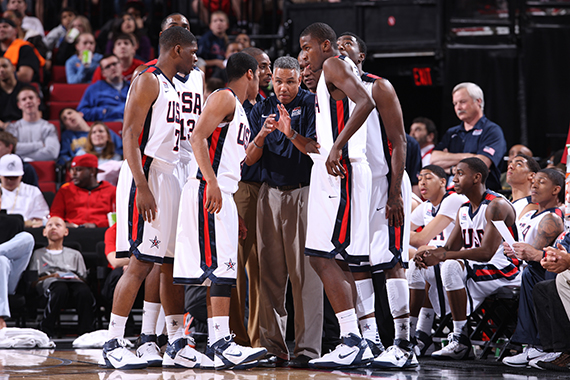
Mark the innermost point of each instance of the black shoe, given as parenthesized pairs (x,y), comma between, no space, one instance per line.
(301,361)
(271,361)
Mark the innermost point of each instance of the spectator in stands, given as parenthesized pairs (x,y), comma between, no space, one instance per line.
(425,133)
(80,24)
(520,175)
(105,99)
(537,228)
(37,139)
(244,40)
(84,202)
(29,22)
(75,135)
(100,144)
(18,197)
(21,53)
(233,47)
(62,275)
(124,49)
(127,25)
(55,37)
(136,9)
(9,88)
(476,136)
(212,45)
(80,67)
(205,9)
(30,35)
(16,248)
(8,143)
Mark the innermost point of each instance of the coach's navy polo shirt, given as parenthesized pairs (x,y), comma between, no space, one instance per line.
(251,173)
(282,164)
(486,138)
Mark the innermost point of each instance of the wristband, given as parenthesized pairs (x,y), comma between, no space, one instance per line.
(295,133)
(257,146)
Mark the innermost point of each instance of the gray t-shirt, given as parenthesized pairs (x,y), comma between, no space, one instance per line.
(66,263)
(37,141)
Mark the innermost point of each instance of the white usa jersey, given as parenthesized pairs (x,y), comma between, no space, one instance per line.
(190,89)
(227,149)
(158,138)
(520,204)
(331,117)
(473,226)
(527,225)
(426,212)
(377,146)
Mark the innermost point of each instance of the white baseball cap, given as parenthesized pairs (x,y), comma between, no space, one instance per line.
(11,166)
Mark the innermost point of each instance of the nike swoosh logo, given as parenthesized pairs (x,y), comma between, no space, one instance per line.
(192,359)
(379,208)
(333,196)
(345,356)
(264,116)
(235,355)
(116,358)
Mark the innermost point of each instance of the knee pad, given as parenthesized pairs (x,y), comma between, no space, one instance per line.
(365,301)
(218,290)
(452,275)
(398,296)
(415,276)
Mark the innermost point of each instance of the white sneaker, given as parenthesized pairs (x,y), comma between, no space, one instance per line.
(116,355)
(352,352)
(180,354)
(149,351)
(228,354)
(548,357)
(459,348)
(400,355)
(521,360)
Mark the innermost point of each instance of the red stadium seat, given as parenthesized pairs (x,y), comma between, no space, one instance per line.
(63,92)
(116,126)
(46,174)
(55,122)
(58,74)
(56,107)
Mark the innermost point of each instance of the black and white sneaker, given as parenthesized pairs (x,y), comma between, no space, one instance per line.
(352,352)
(459,348)
(117,355)
(399,356)
(422,342)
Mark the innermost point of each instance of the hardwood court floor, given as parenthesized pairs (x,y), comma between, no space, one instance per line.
(68,364)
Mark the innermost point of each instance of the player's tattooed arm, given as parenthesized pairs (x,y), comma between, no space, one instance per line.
(548,229)
(389,108)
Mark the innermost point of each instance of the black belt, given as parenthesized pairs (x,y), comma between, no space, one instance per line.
(289,187)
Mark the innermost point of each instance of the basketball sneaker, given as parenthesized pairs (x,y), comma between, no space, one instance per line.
(399,355)
(228,354)
(459,348)
(421,342)
(148,350)
(353,351)
(117,355)
(181,354)
(549,357)
(521,360)
(376,348)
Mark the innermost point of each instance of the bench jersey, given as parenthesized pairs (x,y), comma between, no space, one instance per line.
(473,226)
(330,118)
(190,89)
(520,204)
(377,145)
(426,212)
(527,225)
(227,149)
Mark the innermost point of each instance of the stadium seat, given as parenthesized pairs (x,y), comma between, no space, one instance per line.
(116,126)
(58,74)
(46,175)
(63,92)
(56,107)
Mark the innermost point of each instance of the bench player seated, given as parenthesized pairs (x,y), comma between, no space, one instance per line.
(437,217)
(472,259)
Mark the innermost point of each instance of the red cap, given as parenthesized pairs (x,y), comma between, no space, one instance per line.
(86,161)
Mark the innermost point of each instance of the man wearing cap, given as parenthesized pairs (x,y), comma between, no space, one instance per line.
(22,54)
(18,197)
(84,202)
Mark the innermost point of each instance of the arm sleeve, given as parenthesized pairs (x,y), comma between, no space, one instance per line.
(88,105)
(451,204)
(75,73)
(50,149)
(492,144)
(444,143)
(28,58)
(417,216)
(40,209)
(111,239)
(65,152)
(34,261)
(58,205)
(80,264)
(254,119)
(310,131)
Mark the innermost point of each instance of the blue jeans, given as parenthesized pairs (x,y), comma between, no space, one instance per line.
(14,257)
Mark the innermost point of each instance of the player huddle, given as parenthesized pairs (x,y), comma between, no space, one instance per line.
(175,207)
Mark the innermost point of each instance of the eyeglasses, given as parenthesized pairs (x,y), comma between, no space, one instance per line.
(111,65)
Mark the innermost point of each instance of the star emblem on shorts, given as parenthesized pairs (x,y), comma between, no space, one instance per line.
(231,265)
(155,242)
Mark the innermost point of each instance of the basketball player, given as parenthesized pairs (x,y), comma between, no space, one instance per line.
(473,256)
(387,168)
(207,235)
(152,121)
(190,89)
(339,195)
(436,216)
(520,174)
(537,230)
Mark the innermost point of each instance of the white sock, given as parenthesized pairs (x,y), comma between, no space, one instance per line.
(174,326)
(116,327)
(369,329)
(348,322)
(458,326)
(161,323)
(413,324)
(149,317)
(402,328)
(221,326)
(211,335)
(425,320)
